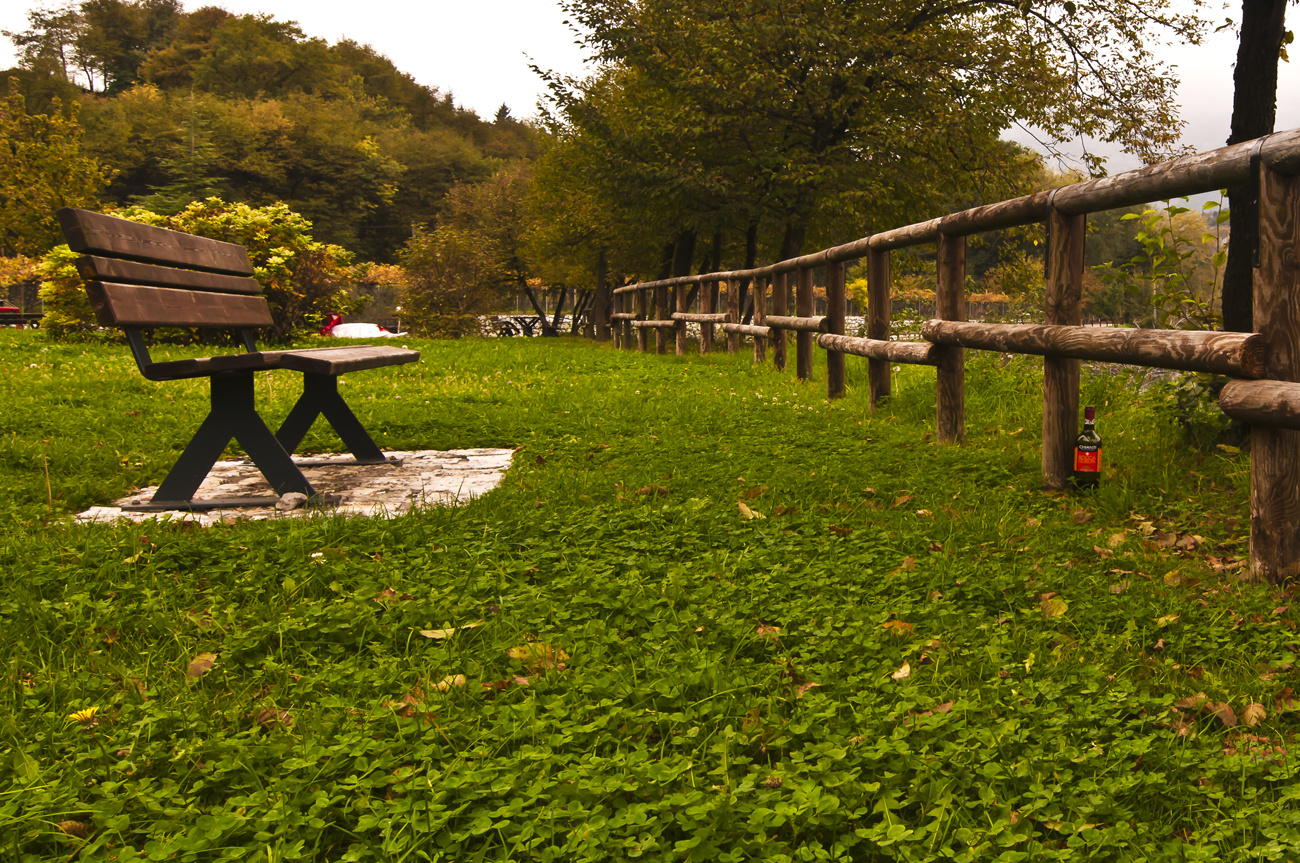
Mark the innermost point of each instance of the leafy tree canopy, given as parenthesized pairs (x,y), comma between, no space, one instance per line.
(799,115)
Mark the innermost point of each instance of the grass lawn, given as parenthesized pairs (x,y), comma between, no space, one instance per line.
(708,616)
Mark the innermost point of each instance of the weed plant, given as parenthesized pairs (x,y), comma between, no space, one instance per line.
(707,616)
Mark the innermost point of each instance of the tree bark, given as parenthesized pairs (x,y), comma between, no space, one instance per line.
(1254,113)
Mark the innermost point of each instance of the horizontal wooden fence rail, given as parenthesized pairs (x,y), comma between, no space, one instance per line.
(1266,363)
(1236,354)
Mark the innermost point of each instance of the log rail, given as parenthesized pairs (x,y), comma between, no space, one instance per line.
(1266,364)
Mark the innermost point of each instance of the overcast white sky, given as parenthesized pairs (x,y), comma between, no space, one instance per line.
(480,51)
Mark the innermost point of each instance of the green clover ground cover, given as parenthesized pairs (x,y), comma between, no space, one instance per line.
(708,616)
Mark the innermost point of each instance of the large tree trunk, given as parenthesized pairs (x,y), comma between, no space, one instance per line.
(684,253)
(1254,112)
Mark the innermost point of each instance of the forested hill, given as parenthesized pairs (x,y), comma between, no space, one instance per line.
(183,105)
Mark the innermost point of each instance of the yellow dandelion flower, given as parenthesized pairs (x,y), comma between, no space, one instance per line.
(84,716)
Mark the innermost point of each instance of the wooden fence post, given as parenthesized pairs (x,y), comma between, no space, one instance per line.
(780,306)
(706,308)
(682,294)
(661,312)
(733,314)
(601,306)
(1062,304)
(835,325)
(950,305)
(878,316)
(642,341)
(803,308)
(1275,452)
(616,328)
(759,294)
(629,337)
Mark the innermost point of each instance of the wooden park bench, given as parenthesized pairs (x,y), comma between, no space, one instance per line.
(139,276)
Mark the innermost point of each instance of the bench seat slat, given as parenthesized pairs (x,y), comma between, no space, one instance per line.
(95,233)
(326,361)
(142,306)
(96,268)
(337,361)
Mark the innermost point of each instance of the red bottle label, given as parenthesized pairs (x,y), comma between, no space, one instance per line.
(1087,461)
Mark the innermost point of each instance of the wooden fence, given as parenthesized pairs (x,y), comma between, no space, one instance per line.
(1265,364)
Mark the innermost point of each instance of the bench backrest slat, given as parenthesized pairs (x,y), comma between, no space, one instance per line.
(96,268)
(140,306)
(95,233)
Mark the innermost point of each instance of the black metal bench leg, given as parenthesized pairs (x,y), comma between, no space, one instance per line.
(233,415)
(320,397)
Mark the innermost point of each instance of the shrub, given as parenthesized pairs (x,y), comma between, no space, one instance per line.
(449,283)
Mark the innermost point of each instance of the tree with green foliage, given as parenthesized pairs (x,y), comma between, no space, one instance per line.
(450,281)
(42,168)
(865,111)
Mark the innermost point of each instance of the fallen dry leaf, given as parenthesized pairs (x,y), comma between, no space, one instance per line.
(902,673)
(747,513)
(1122,586)
(447,633)
(270,717)
(1254,713)
(449,681)
(841,531)
(1053,606)
(1223,712)
(751,493)
(925,513)
(1117,538)
(898,628)
(199,666)
(908,564)
(803,688)
(901,499)
(1286,700)
(771,633)
(79,829)
(1081,516)
(537,657)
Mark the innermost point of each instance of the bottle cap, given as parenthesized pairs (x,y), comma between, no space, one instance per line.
(1089,414)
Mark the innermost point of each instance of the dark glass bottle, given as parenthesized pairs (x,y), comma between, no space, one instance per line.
(1087,453)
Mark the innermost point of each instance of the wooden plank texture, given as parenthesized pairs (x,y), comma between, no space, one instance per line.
(1265,403)
(142,306)
(95,233)
(738,330)
(353,358)
(1236,354)
(879,308)
(914,353)
(1275,452)
(759,295)
(817,324)
(803,308)
(96,268)
(780,305)
(1063,304)
(699,318)
(733,315)
(834,323)
(950,305)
